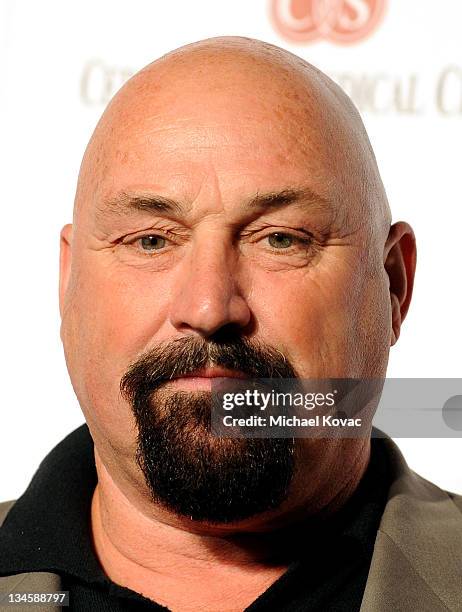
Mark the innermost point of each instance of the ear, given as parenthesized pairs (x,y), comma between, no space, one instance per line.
(399,258)
(65,260)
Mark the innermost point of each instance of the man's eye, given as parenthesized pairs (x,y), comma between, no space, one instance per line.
(280,240)
(152,242)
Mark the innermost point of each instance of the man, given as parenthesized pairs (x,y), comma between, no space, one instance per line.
(229,221)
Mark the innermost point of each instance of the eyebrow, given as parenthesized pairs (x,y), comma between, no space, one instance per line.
(124,203)
(280,199)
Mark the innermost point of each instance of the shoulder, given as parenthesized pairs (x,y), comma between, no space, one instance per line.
(457,499)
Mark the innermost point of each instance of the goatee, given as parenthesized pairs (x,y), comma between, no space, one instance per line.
(188,470)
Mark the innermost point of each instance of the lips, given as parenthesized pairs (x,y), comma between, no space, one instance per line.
(213,372)
(202,378)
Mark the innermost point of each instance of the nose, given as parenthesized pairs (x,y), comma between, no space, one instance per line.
(207,296)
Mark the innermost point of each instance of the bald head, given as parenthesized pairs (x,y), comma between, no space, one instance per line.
(221,81)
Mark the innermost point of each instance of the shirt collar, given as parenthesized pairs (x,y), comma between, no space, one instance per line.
(48,527)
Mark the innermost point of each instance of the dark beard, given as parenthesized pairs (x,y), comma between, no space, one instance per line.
(187,469)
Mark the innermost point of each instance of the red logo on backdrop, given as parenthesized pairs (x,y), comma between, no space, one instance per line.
(340,21)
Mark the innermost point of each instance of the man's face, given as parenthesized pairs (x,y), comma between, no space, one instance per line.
(211,210)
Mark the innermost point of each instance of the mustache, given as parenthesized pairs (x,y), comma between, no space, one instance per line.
(186,354)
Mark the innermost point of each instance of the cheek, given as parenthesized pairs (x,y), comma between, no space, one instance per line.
(111,318)
(120,309)
(329,321)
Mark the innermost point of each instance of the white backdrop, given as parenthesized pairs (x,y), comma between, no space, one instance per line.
(60,63)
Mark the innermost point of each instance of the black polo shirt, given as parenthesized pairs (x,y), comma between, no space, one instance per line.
(48,529)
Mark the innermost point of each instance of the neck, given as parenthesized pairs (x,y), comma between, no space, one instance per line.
(149,550)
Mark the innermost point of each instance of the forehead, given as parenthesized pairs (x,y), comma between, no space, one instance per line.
(240,143)
(236,134)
